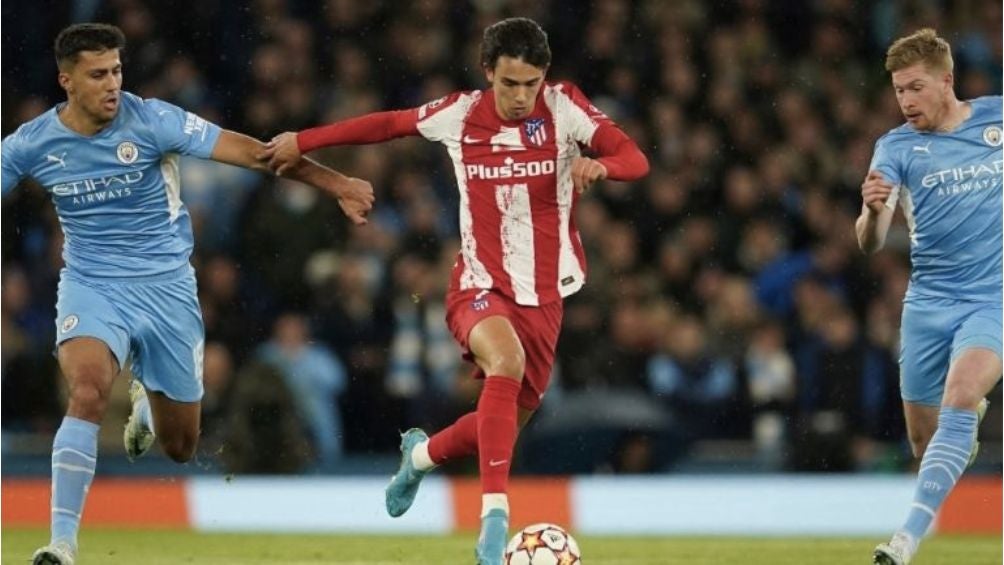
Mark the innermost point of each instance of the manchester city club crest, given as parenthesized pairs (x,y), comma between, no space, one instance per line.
(69,323)
(992,136)
(127,152)
(535,131)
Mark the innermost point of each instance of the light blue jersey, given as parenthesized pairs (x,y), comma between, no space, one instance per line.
(117,193)
(949,186)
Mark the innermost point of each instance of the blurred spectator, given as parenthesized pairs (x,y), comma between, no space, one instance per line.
(218,383)
(697,385)
(314,377)
(264,433)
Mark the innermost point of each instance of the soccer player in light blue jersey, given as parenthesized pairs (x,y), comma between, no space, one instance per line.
(110,161)
(943,166)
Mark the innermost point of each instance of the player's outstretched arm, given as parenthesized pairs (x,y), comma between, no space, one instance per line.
(286,148)
(872,225)
(355,196)
(617,158)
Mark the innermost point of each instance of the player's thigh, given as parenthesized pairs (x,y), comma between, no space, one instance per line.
(90,369)
(976,357)
(91,342)
(85,310)
(538,329)
(925,347)
(480,322)
(175,422)
(168,344)
(496,347)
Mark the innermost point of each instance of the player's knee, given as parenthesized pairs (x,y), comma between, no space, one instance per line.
(510,363)
(180,447)
(963,398)
(88,389)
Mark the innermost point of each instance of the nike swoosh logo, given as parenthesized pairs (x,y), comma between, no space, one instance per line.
(469,139)
(494,463)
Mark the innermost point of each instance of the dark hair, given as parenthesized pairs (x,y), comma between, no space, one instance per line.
(519,38)
(86,37)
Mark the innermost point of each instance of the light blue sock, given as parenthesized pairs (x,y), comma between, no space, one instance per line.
(74,454)
(943,463)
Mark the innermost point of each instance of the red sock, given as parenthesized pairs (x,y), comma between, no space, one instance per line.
(455,441)
(496,432)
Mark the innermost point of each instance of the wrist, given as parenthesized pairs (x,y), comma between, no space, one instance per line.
(300,143)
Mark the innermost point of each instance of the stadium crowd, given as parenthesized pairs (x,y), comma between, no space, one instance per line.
(727,298)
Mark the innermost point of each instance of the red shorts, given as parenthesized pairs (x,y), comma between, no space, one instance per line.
(536,326)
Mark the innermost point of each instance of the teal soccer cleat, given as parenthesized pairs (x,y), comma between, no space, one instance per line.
(403,487)
(491,542)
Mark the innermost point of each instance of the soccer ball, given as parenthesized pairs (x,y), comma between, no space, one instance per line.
(543,544)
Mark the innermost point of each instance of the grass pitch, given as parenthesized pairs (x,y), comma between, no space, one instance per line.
(128,547)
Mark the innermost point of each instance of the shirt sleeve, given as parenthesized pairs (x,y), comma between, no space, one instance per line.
(178,131)
(886,161)
(618,153)
(369,128)
(11,151)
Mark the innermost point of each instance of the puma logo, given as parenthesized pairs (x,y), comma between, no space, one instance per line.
(923,148)
(61,159)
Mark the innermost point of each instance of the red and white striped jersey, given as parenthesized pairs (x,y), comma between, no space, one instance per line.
(516,196)
(514,177)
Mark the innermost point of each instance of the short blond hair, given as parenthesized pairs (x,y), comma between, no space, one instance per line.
(922,46)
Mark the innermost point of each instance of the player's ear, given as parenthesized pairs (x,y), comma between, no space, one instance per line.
(65,82)
(489,74)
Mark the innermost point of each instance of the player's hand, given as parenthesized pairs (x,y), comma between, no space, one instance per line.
(282,152)
(585,172)
(875,191)
(355,196)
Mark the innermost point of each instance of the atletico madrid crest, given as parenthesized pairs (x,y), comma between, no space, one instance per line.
(535,131)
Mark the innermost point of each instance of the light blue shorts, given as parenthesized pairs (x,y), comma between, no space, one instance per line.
(154,321)
(933,333)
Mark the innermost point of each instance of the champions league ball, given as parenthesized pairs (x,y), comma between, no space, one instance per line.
(543,544)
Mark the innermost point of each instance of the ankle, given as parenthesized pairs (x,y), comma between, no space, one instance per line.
(494,501)
(420,457)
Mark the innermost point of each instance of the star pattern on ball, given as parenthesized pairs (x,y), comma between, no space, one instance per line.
(530,542)
(566,558)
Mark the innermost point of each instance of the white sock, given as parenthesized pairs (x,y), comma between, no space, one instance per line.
(492,501)
(420,457)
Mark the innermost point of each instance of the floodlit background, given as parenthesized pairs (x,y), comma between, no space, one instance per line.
(730,333)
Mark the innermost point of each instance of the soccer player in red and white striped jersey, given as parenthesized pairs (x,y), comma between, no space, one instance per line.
(517,155)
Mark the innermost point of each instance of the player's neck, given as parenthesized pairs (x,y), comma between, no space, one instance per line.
(957,111)
(78,121)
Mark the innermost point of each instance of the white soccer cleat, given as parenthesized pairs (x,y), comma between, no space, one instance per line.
(981,412)
(138,438)
(53,554)
(899,551)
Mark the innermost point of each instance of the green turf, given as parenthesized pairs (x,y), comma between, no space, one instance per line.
(114,547)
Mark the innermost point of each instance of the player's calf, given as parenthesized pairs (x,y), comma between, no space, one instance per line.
(180,447)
